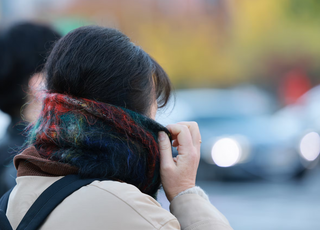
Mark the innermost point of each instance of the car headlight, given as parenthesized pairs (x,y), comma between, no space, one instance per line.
(226,152)
(310,146)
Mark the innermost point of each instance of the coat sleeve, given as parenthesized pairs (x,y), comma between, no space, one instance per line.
(195,213)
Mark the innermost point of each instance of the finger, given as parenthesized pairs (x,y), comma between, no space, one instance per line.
(195,132)
(175,143)
(175,160)
(165,151)
(183,136)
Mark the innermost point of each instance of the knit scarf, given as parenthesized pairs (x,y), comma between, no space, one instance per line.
(101,140)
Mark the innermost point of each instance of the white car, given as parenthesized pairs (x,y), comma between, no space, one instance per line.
(243,138)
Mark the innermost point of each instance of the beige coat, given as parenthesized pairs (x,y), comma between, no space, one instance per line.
(113,205)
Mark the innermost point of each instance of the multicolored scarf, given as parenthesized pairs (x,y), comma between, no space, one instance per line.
(101,140)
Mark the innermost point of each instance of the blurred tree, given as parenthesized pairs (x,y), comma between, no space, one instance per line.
(308,9)
(213,42)
(264,33)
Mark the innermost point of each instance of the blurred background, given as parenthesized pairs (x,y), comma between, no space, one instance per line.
(247,71)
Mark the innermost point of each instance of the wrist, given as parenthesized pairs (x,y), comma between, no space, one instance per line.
(173,193)
(194,190)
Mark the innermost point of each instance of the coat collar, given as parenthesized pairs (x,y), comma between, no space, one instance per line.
(30,163)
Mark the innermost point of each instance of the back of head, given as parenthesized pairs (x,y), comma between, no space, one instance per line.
(102,64)
(100,88)
(23,51)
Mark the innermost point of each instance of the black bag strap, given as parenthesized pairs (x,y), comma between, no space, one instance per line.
(51,198)
(4,201)
(4,222)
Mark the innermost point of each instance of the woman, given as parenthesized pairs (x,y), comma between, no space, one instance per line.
(98,122)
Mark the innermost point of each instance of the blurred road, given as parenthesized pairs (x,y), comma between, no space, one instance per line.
(293,205)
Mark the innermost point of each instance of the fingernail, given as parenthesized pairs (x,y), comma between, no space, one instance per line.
(162,136)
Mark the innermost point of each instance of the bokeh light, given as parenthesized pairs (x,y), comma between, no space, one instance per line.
(310,146)
(226,152)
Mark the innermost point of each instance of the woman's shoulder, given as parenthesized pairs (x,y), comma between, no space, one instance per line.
(119,205)
(124,192)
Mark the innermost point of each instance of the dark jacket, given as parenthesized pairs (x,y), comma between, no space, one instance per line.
(10,144)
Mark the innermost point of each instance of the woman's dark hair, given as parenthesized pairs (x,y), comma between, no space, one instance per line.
(23,51)
(102,64)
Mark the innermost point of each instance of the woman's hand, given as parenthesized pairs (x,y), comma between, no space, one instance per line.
(179,173)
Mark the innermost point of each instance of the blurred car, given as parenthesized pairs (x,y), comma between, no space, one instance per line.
(300,124)
(241,137)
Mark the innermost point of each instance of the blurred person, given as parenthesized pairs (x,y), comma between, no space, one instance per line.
(23,49)
(97,121)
